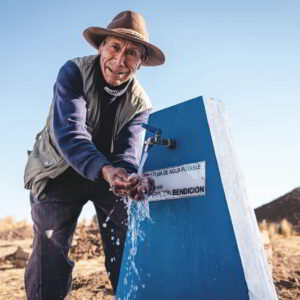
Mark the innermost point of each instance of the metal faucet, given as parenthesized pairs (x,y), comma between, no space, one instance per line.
(157,139)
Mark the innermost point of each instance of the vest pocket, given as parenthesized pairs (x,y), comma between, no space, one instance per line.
(40,158)
(44,152)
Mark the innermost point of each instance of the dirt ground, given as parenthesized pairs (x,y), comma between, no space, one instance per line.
(286,266)
(90,280)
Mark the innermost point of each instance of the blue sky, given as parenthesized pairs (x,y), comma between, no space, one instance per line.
(244,53)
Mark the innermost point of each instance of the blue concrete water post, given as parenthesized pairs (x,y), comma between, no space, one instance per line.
(203,241)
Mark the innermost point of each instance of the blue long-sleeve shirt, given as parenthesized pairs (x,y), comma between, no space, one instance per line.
(87,156)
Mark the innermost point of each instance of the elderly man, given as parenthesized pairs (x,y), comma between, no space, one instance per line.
(87,151)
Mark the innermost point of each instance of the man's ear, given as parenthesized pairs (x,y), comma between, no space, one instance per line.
(139,66)
(144,58)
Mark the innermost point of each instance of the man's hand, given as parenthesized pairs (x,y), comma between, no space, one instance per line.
(134,186)
(142,185)
(117,179)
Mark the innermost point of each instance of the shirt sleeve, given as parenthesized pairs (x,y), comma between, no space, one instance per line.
(69,117)
(129,143)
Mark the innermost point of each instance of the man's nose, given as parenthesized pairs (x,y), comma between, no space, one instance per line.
(120,58)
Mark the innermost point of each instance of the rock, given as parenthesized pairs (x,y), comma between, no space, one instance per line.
(18,259)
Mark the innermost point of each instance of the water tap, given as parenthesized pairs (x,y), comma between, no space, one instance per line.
(157,139)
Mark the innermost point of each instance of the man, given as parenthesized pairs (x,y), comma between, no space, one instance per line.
(87,151)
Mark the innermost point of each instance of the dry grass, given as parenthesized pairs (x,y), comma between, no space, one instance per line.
(11,229)
(284,228)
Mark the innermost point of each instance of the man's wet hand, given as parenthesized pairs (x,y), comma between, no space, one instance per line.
(117,179)
(142,186)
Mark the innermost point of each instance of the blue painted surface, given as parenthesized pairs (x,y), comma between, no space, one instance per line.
(190,251)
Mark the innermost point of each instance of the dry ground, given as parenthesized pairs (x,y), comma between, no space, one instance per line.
(90,280)
(286,266)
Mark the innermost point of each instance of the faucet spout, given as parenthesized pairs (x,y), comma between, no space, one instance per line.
(157,139)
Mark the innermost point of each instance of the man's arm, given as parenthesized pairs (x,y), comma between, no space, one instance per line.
(129,143)
(72,137)
(75,142)
(127,155)
(69,117)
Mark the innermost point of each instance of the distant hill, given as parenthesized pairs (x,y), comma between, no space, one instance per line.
(286,207)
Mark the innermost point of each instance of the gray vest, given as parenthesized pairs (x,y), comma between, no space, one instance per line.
(45,160)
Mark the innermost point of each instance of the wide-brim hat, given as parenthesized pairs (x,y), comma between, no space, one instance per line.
(131,26)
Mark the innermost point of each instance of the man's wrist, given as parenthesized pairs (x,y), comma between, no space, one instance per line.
(105,171)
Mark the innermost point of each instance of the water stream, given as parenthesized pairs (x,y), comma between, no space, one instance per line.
(143,160)
(138,211)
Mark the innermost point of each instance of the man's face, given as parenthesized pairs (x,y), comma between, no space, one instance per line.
(119,59)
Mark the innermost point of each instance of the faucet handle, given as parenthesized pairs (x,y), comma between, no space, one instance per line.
(154,130)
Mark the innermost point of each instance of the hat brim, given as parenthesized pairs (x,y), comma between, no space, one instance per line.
(95,35)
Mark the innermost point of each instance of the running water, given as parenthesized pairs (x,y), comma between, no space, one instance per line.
(143,160)
(138,211)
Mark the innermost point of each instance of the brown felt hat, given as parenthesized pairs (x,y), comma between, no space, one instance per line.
(131,26)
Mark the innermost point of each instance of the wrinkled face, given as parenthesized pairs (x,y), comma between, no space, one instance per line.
(120,59)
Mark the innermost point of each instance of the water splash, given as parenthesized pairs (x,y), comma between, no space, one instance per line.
(137,211)
(108,218)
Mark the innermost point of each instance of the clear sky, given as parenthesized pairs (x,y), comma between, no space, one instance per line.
(244,53)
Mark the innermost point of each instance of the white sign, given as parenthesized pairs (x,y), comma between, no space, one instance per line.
(179,182)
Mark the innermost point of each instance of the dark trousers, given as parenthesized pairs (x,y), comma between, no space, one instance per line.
(48,273)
